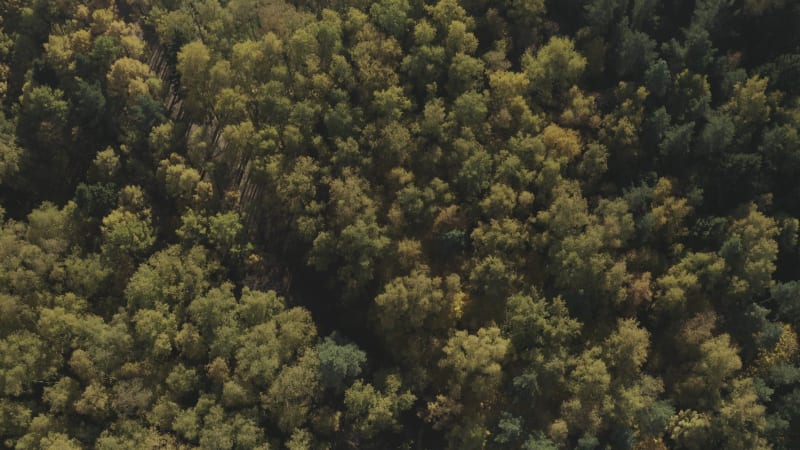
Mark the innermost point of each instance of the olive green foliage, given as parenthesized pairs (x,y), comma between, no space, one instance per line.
(463,224)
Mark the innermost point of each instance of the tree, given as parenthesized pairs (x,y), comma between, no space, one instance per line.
(425,62)
(741,423)
(465,74)
(173,276)
(553,70)
(601,14)
(717,134)
(541,332)
(472,364)
(582,250)
(129,78)
(589,384)
(354,241)
(369,411)
(375,57)
(469,109)
(26,359)
(181,181)
(787,299)
(689,283)
(691,96)
(715,360)
(562,144)
(444,12)
(265,347)
(360,245)
(669,212)
(391,16)
(339,363)
(635,52)
(41,126)
(43,112)
(413,310)
(507,101)
(194,65)
(750,106)
(127,234)
(505,238)
(214,310)
(751,251)
(690,429)
(626,350)
(291,396)
(10,152)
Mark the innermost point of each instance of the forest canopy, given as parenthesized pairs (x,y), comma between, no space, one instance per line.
(412,224)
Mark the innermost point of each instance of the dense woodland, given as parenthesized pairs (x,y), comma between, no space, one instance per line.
(411,224)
